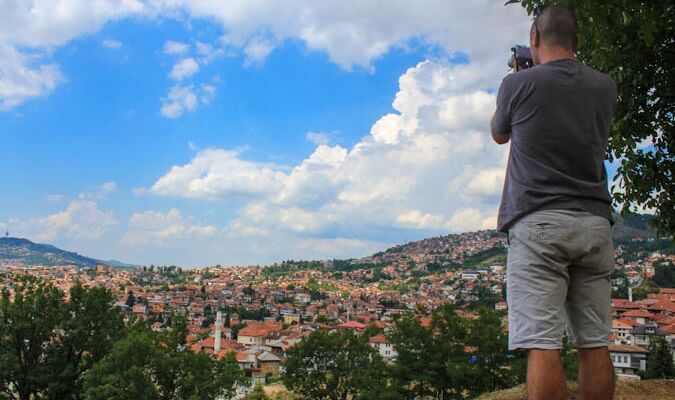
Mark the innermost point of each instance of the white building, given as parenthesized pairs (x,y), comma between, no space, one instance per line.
(628,360)
(383,346)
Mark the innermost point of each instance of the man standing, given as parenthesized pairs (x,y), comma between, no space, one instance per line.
(556,209)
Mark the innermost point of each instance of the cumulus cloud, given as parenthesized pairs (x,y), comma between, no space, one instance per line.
(184,68)
(155,227)
(218,173)
(23,76)
(173,47)
(179,100)
(428,166)
(352,33)
(82,220)
(318,138)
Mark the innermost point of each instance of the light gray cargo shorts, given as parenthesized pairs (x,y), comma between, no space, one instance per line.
(558,274)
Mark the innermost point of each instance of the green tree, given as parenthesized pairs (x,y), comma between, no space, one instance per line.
(147,367)
(131,300)
(334,366)
(659,360)
(491,358)
(632,41)
(431,360)
(27,323)
(90,325)
(258,393)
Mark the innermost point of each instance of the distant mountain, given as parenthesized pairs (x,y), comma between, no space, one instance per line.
(24,252)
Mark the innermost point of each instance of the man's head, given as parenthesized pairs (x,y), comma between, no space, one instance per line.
(554,30)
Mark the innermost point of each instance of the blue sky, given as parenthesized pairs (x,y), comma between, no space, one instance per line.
(191,134)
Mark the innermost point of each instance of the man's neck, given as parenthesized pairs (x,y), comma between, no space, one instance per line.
(554,54)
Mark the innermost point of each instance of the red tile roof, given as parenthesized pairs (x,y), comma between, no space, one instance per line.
(626,348)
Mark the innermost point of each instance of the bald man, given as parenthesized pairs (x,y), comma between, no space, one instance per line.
(556,210)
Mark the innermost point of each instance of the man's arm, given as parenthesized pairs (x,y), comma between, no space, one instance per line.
(500,124)
(499,138)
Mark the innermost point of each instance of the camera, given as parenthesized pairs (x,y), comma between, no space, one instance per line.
(521,58)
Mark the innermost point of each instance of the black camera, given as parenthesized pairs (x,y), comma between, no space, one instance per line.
(521,58)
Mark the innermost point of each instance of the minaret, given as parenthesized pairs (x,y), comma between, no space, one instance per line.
(219,323)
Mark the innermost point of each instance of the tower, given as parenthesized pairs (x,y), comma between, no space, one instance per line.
(216,342)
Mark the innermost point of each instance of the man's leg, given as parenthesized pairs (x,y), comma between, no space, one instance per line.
(545,375)
(596,374)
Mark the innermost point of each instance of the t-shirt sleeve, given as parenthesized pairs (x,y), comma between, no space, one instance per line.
(501,120)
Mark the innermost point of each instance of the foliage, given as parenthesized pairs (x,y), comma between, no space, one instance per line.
(632,41)
(452,357)
(664,276)
(47,344)
(659,360)
(258,393)
(147,366)
(335,366)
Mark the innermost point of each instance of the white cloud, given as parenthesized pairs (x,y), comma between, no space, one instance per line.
(207,93)
(352,33)
(207,52)
(318,137)
(23,76)
(179,100)
(430,166)
(155,227)
(81,220)
(217,173)
(112,44)
(184,68)
(99,192)
(172,47)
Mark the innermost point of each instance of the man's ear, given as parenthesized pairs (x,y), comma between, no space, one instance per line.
(534,36)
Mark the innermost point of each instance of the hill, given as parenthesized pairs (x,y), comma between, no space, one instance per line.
(18,251)
(625,390)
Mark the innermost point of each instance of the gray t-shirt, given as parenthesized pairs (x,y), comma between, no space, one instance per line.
(558,115)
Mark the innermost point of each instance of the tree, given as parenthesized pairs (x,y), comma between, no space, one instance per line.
(90,325)
(148,367)
(659,360)
(631,40)
(491,358)
(26,324)
(334,366)
(258,393)
(431,360)
(131,300)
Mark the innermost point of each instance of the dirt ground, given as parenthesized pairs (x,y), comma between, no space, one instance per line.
(625,390)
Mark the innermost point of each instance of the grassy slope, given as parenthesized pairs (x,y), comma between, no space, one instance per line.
(625,390)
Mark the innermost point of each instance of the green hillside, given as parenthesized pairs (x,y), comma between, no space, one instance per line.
(24,252)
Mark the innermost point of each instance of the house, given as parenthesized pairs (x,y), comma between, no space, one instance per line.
(639,316)
(643,333)
(663,306)
(622,332)
(251,336)
(383,346)
(268,364)
(628,360)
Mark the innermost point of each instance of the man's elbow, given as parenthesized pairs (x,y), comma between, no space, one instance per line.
(500,138)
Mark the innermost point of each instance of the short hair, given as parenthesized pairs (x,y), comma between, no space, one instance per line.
(557,26)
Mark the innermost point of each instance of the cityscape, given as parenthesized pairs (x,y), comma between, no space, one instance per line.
(337,200)
(258,313)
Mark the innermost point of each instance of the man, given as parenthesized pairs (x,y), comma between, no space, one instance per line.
(556,209)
